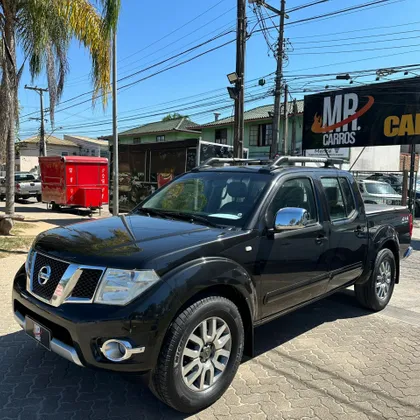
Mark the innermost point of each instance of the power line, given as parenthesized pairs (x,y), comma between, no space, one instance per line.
(347,10)
(304,6)
(356,51)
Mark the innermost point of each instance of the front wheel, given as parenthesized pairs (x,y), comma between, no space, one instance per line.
(377,291)
(39,198)
(200,355)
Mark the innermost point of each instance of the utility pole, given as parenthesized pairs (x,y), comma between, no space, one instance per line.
(293,146)
(42,144)
(285,120)
(115,196)
(239,85)
(278,88)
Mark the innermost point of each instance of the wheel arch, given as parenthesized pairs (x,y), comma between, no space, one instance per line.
(394,248)
(216,276)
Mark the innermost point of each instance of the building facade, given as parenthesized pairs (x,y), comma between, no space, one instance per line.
(258,130)
(88,146)
(27,151)
(160,131)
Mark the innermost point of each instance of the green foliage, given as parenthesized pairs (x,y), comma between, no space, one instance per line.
(174,116)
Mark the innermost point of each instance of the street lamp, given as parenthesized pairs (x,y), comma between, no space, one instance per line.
(233,78)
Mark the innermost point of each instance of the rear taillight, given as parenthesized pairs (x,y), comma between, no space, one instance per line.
(18,186)
(410,224)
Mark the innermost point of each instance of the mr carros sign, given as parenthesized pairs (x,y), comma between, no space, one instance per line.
(379,114)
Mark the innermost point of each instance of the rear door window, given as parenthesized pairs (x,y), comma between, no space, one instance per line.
(349,202)
(335,200)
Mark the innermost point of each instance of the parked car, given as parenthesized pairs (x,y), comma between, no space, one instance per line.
(176,288)
(395,180)
(376,192)
(26,185)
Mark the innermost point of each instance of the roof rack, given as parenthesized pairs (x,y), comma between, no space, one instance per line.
(270,164)
(214,161)
(291,160)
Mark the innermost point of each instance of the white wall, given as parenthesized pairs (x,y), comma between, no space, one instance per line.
(378,158)
(29,154)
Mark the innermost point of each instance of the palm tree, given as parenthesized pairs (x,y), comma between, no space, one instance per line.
(42,29)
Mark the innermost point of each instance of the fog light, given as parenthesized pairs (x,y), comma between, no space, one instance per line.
(119,350)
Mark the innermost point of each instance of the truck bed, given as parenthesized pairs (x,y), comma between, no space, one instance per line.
(381,208)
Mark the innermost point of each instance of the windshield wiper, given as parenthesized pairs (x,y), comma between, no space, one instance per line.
(192,217)
(152,212)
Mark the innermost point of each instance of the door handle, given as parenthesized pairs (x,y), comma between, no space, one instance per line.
(358,229)
(321,239)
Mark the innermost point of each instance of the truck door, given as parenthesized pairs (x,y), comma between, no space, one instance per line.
(292,263)
(348,229)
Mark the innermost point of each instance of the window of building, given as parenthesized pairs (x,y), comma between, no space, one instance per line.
(220,136)
(260,135)
(64,153)
(137,140)
(93,152)
(160,138)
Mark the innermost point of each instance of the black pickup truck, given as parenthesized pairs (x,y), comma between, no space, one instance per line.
(176,288)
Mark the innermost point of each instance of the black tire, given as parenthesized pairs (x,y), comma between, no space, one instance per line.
(367,294)
(2,197)
(39,198)
(55,206)
(167,381)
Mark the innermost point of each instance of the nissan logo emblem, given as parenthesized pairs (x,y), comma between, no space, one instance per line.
(44,275)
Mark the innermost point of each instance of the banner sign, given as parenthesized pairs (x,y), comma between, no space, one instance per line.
(340,153)
(381,114)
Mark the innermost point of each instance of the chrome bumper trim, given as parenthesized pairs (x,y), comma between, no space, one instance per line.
(408,252)
(57,346)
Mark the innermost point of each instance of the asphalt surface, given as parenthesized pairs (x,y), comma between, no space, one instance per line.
(330,360)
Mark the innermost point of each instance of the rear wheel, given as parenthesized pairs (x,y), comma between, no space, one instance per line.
(39,198)
(200,355)
(377,291)
(55,206)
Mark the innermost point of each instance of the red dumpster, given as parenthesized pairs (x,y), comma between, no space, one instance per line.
(75,181)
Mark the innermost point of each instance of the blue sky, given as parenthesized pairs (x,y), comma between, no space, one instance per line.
(376,37)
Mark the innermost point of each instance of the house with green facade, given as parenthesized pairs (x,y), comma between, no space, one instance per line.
(258,132)
(160,131)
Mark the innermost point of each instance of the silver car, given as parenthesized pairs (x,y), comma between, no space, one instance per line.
(377,192)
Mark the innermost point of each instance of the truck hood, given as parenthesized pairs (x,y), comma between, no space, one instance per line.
(134,242)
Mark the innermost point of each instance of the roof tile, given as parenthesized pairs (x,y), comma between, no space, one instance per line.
(259,113)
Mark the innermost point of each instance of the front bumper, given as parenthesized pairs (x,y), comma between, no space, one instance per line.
(57,346)
(79,330)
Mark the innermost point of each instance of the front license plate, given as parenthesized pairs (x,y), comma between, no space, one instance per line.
(39,333)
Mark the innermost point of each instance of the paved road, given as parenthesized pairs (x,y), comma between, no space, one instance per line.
(330,360)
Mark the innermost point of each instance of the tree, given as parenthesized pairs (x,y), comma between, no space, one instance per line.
(174,116)
(42,29)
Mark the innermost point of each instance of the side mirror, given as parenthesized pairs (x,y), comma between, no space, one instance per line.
(291,218)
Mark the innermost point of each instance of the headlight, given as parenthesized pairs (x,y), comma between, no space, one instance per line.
(29,261)
(119,287)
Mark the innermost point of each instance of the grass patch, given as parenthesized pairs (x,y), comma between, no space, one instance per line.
(14,245)
(20,227)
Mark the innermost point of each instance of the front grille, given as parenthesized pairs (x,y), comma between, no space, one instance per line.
(58,268)
(86,286)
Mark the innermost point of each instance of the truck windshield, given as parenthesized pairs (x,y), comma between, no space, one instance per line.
(373,188)
(224,198)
